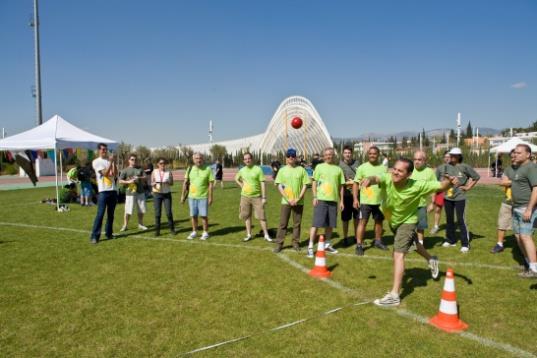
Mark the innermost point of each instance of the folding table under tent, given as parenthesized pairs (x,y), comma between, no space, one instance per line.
(56,134)
(507,147)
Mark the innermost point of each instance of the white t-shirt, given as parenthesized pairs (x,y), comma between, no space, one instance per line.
(104,183)
(161,181)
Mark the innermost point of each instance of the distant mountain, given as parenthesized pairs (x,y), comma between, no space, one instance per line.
(430,133)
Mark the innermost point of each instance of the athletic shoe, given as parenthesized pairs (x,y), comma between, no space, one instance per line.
(448,244)
(247,238)
(268,238)
(310,252)
(497,249)
(359,251)
(192,235)
(204,236)
(328,248)
(528,274)
(390,300)
(123,228)
(278,248)
(93,241)
(465,249)
(434,230)
(141,227)
(433,265)
(379,245)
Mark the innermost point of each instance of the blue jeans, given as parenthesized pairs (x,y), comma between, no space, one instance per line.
(106,200)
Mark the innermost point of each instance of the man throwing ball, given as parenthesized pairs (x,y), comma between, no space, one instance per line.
(402,198)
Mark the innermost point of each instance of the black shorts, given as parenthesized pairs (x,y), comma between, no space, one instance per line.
(325,214)
(349,212)
(371,210)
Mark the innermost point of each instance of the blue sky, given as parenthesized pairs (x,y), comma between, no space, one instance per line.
(155,72)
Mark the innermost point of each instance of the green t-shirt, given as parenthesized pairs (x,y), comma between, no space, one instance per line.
(524,179)
(400,205)
(199,177)
(509,172)
(136,187)
(463,172)
(251,179)
(329,178)
(426,174)
(292,180)
(370,195)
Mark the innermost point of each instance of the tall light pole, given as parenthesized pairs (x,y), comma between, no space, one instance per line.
(37,94)
(458,128)
(211,132)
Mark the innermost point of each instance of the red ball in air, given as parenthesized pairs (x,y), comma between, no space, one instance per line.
(296,122)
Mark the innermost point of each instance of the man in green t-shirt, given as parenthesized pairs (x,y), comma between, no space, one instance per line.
(505,214)
(292,181)
(253,196)
(402,197)
(200,194)
(422,172)
(327,188)
(132,178)
(369,201)
(524,194)
(455,199)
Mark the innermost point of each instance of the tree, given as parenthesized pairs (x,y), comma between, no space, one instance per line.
(123,150)
(469,130)
(186,152)
(143,153)
(218,151)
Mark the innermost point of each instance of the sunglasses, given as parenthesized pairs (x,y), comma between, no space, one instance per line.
(161,163)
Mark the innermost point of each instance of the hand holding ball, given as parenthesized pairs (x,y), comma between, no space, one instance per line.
(296,122)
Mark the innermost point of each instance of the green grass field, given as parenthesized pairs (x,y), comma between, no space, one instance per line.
(138,295)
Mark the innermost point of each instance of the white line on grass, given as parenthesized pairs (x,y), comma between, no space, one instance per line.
(257,248)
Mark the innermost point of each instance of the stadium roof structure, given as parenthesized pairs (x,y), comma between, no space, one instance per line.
(311,138)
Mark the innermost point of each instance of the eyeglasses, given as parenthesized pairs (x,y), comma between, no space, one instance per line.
(132,159)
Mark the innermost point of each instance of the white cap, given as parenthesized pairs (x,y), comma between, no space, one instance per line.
(455,151)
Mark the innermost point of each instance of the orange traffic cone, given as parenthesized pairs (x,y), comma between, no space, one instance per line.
(320,270)
(447,318)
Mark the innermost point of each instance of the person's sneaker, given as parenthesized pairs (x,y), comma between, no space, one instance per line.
(390,300)
(434,230)
(465,249)
(247,238)
(93,241)
(527,274)
(379,245)
(278,248)
(192,235)
(123,228)
(328,248)
(141,227)
(359,251)
(448,244)
(204,236)
(433,265)
(268,238)
(497,249)
(310,252)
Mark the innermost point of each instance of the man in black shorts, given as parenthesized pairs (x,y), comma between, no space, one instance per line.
(349,212)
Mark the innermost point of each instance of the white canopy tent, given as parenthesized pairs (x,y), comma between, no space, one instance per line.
(507,147)
(57,134)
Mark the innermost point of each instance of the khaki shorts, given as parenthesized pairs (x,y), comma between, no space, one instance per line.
(405,235)
(132,200)
(246,208)
(505,217)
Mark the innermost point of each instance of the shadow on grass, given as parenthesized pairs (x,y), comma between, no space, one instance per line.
(418,277)
(228,230)
(510,242)
(533,287)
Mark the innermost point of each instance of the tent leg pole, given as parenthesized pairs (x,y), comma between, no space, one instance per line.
(56,175)
(61,167)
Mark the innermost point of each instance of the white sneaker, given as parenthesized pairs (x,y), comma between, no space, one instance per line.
(268,238)
(434,230)
(390,300)
(465,249)
(141,227)
(433,265)
(447,244)
(123,228)
(247,238)
(328,248)
(204,236)
(192,236)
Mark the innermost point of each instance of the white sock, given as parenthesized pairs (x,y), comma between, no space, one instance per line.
(500,244)
(533,266)
(421,242)
(310,245)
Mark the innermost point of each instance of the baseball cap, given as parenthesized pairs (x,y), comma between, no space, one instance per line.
(291,153)
(455,151)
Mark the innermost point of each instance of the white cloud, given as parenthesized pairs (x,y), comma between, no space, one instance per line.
(519,85)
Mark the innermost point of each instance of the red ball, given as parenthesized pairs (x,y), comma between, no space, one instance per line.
(296,122)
